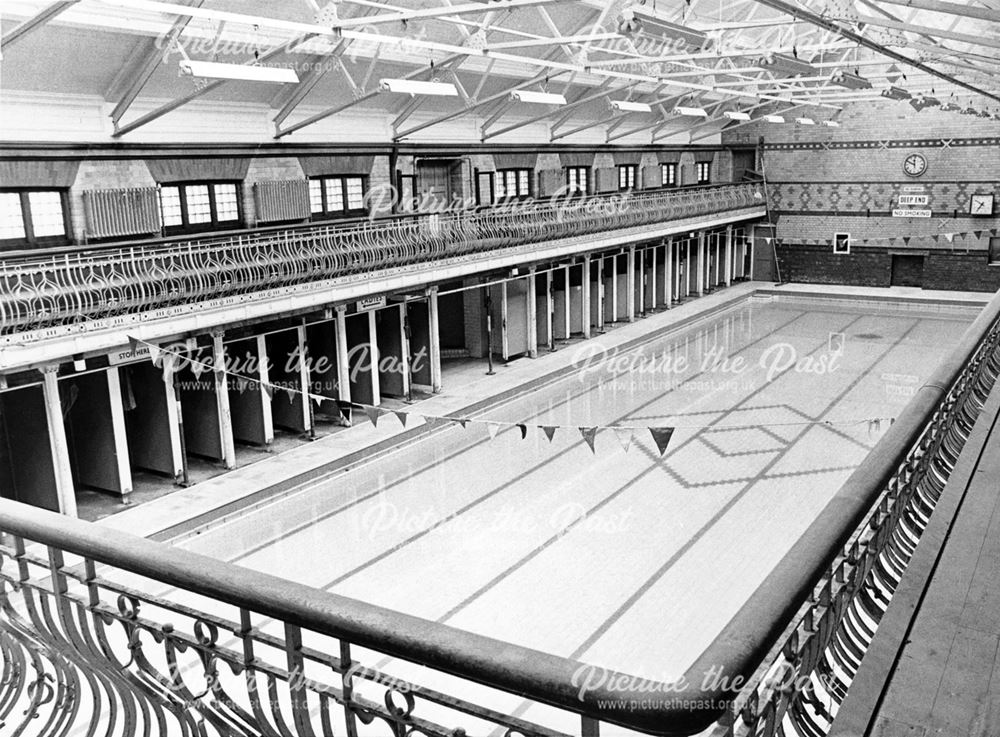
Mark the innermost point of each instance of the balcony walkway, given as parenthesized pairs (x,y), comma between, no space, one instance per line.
(934,665)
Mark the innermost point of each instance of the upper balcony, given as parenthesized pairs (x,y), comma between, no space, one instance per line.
(80,299)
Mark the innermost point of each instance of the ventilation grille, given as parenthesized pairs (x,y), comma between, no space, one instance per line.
(111,213)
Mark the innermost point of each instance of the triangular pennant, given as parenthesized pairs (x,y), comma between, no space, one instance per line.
(197,368)
(625,438)
(433,422)
(291,394)
(345,410)
(936,238)
(950,237)
(524,430)
(154,353)
(589,433)
(661,436)
(318,398)
(463,421)
(133,344)
(269,390)
(906,240)
(373,413)
(978,234)
(401,416)
(492,428)
(549,431)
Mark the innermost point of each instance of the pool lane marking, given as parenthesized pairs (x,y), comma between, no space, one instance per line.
(639,593)
(656,464)
(476,444)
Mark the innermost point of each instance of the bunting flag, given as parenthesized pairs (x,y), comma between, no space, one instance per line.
(434,422)
(524,430)
(269,390)
(549,431)
(345,410)
(463,421)
(906,240)
(291,392)
(492,428)
(589,433)
(625,438)
(318,399)
(661,436)
(133,344)
(401,416)
(154,353)
(198,368)
(950,237)
(373,414)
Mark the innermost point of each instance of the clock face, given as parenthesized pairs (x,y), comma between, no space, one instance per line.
(915,165)
(981,204)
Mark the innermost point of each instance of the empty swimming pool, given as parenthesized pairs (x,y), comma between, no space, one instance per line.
(618,558)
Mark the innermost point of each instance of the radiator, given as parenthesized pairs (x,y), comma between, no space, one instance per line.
(281,200)
(118,212)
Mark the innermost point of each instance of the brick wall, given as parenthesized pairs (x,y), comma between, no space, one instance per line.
(823,181)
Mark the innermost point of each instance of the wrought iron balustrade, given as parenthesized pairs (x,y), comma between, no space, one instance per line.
(77,286)
(130,636)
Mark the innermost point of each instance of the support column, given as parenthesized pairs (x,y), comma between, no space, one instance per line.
(585,297)
(567,328)
(222,400)
(435,338)
(304,380)
(404,341)
(668,273)
(753,248)
(687,269)
(716,280)
(630,284)
(700,283)
(614,288)
(729,255)
(532,315)
(65,491)
(263,373)
(343,370)
(548,311)
(124,466)
(652,279)
(601,297)
(504,343)
(374,357)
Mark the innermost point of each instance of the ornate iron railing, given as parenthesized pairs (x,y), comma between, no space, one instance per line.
(126,636)
(76,286)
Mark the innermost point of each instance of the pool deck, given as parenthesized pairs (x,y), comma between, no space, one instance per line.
(934,665)
(467,391)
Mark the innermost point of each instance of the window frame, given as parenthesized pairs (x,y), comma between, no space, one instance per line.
(669,166)
(839,238)
(29,239)
(576,192)
(346,212)
(993,251)
(630,172)
(213,223)
(703,166)
(499,182)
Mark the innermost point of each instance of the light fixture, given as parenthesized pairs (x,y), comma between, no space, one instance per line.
(540,98)
(632,107)
(805,121)
(850,81)
(417,87)
(736,115)
(786,65)
(896,93)
(923,102)
(247,72)
(639,19)
(695,112)
(773,119)
(831,123)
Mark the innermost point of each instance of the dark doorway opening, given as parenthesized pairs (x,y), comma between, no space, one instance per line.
(907,271)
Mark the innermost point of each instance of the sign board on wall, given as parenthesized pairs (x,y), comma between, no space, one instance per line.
(127,355)
(911,213)
(912,199)
(371,303)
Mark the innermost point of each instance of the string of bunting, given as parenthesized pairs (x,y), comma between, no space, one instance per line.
(625,434)
(891,240)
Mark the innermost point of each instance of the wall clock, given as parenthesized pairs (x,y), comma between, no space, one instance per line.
(915,165)
(981,204)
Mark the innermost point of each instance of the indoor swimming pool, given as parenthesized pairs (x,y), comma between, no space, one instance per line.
(616,558)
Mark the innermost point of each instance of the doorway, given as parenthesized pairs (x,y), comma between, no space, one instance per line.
(907,271)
